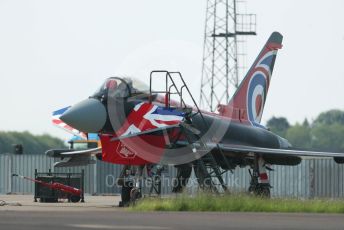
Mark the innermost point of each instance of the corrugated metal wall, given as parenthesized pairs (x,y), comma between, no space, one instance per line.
(106,175)
(23,165)
(5,169)
(312,178)
(286,181)
(328,179)
(26,165)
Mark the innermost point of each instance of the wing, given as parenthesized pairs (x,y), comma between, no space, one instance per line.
(276,152)
(71,152)
(78,160)
(72,158)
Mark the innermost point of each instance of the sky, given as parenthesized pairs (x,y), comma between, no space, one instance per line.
(56,53)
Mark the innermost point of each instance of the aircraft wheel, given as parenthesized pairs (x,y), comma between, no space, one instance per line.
(125,194)
(135,194)
(261,190)
(183,175)
(203,177)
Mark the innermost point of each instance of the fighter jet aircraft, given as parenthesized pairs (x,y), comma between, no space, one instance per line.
(138,126)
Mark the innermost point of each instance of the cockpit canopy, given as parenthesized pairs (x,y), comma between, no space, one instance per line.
(121,88)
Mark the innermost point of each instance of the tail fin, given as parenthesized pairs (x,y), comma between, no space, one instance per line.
(248,101)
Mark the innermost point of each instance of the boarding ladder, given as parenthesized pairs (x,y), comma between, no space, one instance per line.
(208,172)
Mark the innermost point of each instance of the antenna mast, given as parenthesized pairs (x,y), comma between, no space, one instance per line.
(223,51)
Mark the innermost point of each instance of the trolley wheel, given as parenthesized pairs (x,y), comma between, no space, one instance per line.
(48,200)
(75,198)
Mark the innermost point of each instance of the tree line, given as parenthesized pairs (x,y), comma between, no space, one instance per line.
(325,133)
(32,144)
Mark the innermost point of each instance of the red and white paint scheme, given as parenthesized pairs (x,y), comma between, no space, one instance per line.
(248,102)
(57,122)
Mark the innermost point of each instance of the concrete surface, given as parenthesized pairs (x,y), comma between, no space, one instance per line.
(100,212)
(27,204)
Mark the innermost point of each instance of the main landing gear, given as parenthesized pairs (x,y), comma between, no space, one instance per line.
(131,190)
(259,185)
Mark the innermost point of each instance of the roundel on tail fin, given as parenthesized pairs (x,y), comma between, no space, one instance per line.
(256,94)
(250,97)
(258,87)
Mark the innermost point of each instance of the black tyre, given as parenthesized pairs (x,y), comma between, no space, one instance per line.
(203,178)
(125,194)
(75,199)
(265,192)
(135,194)
(48,200)
(261,190)
(183,175)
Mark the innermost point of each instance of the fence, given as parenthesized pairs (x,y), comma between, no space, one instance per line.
(312,178)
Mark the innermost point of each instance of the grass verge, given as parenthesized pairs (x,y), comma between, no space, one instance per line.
(238,203)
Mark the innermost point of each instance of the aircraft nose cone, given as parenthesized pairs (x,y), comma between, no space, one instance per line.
(88,116)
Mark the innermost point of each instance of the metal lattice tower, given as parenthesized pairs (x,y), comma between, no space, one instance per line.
(223,50)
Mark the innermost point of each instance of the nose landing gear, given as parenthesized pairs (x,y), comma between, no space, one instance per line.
(135,182)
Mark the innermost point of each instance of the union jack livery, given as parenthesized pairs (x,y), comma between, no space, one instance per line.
(146,116)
